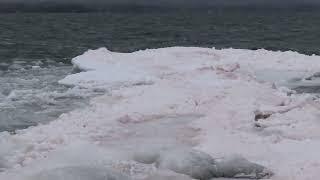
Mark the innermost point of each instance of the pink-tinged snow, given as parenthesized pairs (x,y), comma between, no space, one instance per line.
(199,98)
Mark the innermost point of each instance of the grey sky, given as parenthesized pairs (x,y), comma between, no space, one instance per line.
(173,1)
(100,4)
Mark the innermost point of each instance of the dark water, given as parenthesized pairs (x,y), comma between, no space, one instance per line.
(63,36)
(36,48)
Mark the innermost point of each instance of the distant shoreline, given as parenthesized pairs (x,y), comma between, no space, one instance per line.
(85,8)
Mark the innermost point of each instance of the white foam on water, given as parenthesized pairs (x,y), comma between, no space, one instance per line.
(29,95)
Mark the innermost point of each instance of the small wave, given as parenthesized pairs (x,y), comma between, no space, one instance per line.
(30,93)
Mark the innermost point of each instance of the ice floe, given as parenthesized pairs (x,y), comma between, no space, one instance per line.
(179,113)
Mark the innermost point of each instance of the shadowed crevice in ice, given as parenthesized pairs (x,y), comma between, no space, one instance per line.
(239,167)
(309,84)
(308,89)
(3,164)
(313,76)
(200,165)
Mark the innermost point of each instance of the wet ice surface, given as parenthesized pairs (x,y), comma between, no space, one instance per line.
(30,93)
(310,84)
(305,83)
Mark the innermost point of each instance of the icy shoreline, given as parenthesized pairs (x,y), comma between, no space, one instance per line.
(222,102)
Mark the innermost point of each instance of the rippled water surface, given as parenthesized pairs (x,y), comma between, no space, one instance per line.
(36,48)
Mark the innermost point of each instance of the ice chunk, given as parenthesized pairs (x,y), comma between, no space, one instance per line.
(93,59)
(145,88)
(200,165)
(146,157)
(239,167)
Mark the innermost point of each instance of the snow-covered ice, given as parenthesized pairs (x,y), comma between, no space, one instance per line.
(223,103)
